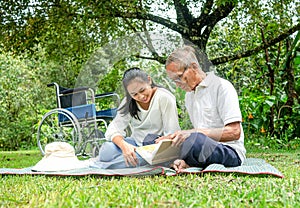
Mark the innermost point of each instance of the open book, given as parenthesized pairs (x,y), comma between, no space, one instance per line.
(159,153)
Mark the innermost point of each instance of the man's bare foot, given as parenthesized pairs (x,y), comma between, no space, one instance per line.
(179,165)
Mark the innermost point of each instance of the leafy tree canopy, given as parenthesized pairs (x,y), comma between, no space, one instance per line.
(74,25)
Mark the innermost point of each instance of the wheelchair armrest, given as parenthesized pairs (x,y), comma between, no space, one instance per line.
(108,94)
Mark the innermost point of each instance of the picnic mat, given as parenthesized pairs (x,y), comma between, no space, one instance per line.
(251,166)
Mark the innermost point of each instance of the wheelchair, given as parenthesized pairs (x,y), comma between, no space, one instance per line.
(78,119)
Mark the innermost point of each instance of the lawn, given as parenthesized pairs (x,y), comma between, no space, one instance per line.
(206,190)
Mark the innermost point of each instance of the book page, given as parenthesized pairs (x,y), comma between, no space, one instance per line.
(147,151)
(166,152)
(160,152)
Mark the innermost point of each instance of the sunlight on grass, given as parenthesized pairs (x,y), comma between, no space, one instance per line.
(209,190)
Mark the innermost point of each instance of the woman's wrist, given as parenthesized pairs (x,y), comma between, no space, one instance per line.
(119,141)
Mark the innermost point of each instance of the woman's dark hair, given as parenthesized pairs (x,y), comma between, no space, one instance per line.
(129,75)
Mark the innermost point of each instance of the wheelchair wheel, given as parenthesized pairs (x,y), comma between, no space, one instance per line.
(59,125)
(96,148)
(95,152)
(93,143)
(100,140)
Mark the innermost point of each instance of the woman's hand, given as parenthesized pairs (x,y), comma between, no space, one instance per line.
(129,154)
(128,150)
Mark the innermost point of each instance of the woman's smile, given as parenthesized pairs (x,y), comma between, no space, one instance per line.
(140,91)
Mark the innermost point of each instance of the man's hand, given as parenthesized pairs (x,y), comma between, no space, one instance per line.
(179,137)
(163,138)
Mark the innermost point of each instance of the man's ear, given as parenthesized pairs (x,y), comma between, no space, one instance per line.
(194,65)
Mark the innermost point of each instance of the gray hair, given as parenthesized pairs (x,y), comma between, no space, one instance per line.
(187,55)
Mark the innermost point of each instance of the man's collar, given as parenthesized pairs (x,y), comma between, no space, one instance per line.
(207,80)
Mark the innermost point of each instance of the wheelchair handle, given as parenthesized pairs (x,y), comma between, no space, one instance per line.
(51,84)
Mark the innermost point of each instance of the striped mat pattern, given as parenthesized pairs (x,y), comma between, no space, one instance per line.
(251,166)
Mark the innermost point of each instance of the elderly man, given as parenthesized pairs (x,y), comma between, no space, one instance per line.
(213,107)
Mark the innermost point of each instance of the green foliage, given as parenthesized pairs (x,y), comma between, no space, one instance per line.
(24,98)
(51,41)
(257,104)
(17,107)
(264,83)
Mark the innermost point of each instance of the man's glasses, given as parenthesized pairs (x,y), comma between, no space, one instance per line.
(179,77)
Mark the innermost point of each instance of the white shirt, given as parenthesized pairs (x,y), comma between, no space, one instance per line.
(213,104)
(161,118)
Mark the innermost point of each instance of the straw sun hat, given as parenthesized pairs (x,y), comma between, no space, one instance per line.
(59,156)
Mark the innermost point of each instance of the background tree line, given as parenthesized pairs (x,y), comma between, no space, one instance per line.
(253,44)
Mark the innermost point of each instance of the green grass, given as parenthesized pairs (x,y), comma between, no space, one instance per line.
(207,190)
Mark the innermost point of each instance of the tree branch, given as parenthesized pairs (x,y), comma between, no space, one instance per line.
(205,11)
(250,52)
(146,16)
(184,16)
(218,14)
(147,42)
(268,63)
